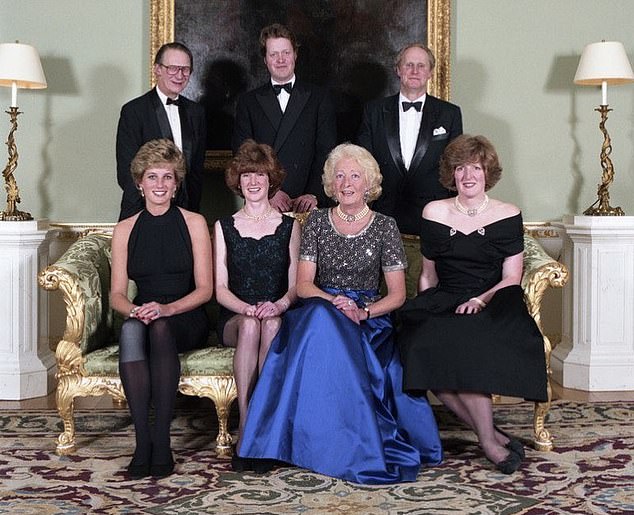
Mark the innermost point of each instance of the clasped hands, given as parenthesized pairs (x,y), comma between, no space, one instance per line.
(263,310)
(149,312)
(349,308)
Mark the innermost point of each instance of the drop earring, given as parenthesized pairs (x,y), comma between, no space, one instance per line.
(366,196)
(141,192)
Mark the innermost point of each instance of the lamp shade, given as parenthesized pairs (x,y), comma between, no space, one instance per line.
(20,64)
(605,61)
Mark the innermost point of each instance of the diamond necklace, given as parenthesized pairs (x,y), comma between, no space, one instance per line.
(257,218)
(352,218)
(471,211)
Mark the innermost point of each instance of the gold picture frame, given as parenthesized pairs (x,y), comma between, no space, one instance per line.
(438,38)
(162,23)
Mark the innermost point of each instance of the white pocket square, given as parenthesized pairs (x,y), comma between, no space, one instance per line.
(439,131)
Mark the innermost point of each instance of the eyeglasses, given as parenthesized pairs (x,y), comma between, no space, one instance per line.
(172,69)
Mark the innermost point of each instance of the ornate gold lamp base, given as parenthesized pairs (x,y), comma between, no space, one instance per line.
(11,213)
(602,206)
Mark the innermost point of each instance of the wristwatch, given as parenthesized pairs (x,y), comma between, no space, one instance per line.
(367,310)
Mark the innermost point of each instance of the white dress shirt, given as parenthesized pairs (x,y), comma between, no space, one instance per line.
(409,124)
(284,96)
(174,119)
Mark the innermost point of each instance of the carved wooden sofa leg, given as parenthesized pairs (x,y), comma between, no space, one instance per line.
(222,391)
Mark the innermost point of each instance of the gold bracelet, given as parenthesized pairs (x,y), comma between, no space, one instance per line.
(134,310)
(479,301)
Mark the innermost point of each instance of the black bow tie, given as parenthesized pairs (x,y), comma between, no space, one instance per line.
(171,101)
(279,87)
(416,105)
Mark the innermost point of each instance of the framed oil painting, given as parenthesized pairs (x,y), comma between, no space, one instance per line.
(346,45)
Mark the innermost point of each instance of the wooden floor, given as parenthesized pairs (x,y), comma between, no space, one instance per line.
(105,401)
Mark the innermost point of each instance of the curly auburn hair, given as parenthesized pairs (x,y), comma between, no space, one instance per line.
(258,158)
(469,149)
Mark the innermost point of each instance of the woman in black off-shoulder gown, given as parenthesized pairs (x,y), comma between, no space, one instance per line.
(468,333)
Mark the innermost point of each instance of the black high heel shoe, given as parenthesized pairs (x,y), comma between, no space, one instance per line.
(139,466)
(513,445)
(164,469)
(509,464)
(262,465)
(240,464)
(138,470)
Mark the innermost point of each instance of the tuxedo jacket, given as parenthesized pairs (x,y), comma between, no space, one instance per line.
(407,191)
(143,119)
(301,137)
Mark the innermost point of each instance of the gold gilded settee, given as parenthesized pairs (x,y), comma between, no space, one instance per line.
(87,354)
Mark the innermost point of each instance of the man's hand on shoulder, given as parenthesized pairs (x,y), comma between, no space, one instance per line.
(281,201)
(304,203)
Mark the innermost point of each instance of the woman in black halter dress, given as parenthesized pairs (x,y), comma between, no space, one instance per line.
(468,334)
(166,250)
(255,263)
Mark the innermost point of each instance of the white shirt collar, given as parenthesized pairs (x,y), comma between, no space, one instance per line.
(292,81)
(163,96)
(402,98)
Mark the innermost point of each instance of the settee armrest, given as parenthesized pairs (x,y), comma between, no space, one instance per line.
(540,273)
(82,274)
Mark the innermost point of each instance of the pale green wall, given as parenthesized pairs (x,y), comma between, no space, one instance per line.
(512,70)
(513,63)
(95,57)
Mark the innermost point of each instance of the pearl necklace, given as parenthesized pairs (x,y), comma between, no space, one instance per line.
(257,218)
(352,218)
(471,211)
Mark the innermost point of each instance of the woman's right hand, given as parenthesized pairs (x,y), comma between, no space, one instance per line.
(249,310)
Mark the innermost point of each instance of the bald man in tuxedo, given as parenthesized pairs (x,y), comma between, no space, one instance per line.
(164,113)
(407,133)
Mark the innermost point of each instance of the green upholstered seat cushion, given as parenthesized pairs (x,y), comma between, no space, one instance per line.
(212,361)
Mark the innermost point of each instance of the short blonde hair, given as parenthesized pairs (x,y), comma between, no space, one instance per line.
(155,153)
(363,158)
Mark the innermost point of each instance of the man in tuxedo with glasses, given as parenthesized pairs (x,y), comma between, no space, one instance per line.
(163,112)
(294,117)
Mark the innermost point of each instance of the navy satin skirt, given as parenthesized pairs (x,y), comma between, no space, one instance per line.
(330,399)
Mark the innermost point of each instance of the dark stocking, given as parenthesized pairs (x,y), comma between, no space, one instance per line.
(165,373)
(135,377)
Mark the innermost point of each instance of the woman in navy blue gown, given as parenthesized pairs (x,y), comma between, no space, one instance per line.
(329,396)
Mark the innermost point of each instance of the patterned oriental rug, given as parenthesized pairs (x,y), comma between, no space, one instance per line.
(590,471)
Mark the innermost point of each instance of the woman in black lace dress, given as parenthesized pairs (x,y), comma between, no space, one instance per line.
(468,334)
(256,253)
(166,250)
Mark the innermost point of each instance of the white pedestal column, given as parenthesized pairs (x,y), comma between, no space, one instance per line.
(596,352)
(27,366)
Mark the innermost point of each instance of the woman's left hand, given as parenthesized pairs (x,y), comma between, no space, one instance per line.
(471,307)
(267,309)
